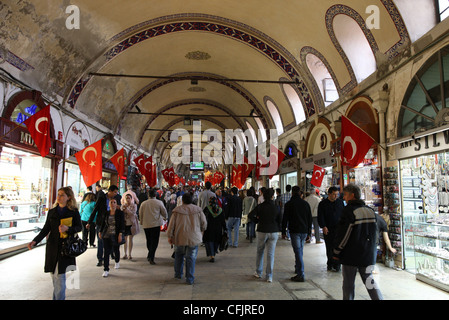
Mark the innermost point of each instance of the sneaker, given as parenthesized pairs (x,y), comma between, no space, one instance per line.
(269,280)
(297,278)
(117,265)
(105,274)
(256,275)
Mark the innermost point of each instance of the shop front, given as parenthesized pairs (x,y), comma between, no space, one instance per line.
(368,174)
(27,180)
(288,170)
(318,152)
(422,175)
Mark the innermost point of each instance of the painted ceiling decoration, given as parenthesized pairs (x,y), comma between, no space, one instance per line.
(204,50)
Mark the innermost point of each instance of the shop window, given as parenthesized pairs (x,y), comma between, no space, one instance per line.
(295,102)
(355,45)
(427,97)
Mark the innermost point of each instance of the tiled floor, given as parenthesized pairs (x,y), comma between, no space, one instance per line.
(229,278)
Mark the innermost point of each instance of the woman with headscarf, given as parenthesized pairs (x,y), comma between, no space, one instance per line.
(215,226)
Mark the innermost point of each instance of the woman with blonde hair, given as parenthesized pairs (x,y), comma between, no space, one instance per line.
(62,220)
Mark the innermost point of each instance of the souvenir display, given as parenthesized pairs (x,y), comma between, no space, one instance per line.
(425,211)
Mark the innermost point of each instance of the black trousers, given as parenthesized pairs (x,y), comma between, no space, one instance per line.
(89,235)
(330,244)
(152,236)
(110,245)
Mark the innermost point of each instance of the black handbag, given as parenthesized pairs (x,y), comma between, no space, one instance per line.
(224,242)
(73,246)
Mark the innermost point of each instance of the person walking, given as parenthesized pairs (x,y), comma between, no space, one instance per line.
(112,232)
(86,208)
(285,197)
(298,218)
(248,204)
(62,220)
(129,208)
(205,195)
(233,213)
(216,224)
(100,210)
(185,232)
(314,200)
(329,213)
(152,214)
(356,242)
(268,220)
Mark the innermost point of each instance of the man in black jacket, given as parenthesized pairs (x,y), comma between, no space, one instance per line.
(356,242)
(233,214)
(329,213)
(298,217)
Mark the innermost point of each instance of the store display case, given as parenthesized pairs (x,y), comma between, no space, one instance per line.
(431,246)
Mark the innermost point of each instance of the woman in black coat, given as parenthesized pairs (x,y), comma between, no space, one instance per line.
(112,233)
(215,225)
(62,220)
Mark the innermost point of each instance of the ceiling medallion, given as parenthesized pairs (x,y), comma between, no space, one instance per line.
(196,89)
(198,55)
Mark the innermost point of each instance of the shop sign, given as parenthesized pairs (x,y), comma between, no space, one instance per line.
(289,165)
(323,159)
(432,143)
(26,139)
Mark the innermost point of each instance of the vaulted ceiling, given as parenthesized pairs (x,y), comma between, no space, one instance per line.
(216,42)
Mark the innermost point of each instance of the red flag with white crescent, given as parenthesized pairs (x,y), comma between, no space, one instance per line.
(90,162)
(118,160)
(355,143)
(39,127)
(139,162)
(318,175)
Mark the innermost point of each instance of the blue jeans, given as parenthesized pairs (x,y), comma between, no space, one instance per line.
(269,240)
(59,285)
(233,223)
(251,229)
(190,254)
(298,240)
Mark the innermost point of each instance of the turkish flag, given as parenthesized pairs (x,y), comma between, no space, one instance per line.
(172,174)
(118,160)
(218,176)
(261,162)
(355,143)
(318,175)
(177,180)
(239,177)
(139,162)
(276,158)
(247,169)
(233,176)
(39,127)
(166,175)
(90,162)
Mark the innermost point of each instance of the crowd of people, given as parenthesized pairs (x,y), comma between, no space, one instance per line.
(208,217)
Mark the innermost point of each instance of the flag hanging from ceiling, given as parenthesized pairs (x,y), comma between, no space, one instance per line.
(260,164)
(118,160)
(139,162)
(276,158)
(355,143)
(90,162)
(39,127)
(318,175)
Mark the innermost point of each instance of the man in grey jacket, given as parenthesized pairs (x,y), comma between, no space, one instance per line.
(185,231)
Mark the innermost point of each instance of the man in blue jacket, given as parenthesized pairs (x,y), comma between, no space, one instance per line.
(356,242)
